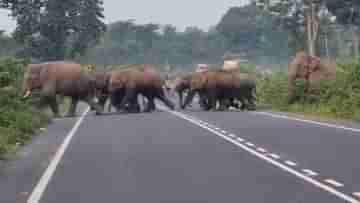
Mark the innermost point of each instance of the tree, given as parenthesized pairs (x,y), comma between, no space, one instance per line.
(347,12)
(298,16)
(48,29)
(88,26)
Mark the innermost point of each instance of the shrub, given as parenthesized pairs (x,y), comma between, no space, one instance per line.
(339,98)
(19,119)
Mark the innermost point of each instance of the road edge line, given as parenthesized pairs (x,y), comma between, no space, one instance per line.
(271,161)
(323,124)
(46,177)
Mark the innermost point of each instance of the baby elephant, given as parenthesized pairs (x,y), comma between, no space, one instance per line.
(62,78)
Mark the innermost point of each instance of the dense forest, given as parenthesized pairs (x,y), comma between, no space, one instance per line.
(255,33)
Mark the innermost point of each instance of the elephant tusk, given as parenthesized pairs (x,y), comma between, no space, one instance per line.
(27,94)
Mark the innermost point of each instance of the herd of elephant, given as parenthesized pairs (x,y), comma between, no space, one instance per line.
(218,89)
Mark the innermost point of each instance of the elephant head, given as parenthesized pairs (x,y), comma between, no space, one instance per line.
(311,69)
(32,79)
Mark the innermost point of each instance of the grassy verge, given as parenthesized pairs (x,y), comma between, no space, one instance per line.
(339,99)
(20,119)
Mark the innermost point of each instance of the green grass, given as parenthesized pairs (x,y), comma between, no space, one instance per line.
(338,99)
(20,119)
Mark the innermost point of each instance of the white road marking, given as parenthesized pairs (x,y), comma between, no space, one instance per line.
(275,156)
(356,194)
(310,172)
(261,149)
(290,163)
(271,161)
(223,131)
(45,179)
(249,144)
(309,121)
(334,183)
(232,135)
(240,139)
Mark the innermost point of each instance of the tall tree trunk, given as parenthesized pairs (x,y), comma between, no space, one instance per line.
(310,41)
(356,40)
(327,46)
(312,25)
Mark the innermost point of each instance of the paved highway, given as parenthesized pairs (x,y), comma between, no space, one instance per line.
(193,156)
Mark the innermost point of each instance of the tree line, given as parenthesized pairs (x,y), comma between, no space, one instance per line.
(265,31)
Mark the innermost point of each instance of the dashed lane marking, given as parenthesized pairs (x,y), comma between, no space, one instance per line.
(45,179)
(334,183)
(261,150)
(240,139)
(275,156)
(249,144)
(280,165)
(310,172)
(232,135)
(290,163)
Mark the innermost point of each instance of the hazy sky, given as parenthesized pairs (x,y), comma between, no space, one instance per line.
(181,13)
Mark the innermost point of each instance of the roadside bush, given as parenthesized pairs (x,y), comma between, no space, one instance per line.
(339,98)
(19,119)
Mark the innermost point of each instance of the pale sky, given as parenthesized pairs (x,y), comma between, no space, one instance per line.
(181,13)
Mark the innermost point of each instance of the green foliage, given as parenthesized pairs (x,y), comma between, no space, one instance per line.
(19,119)
(54,29)
(338,99)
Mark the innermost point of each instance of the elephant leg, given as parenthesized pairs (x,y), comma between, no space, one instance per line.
(89,100)
(130,93)
(48,93)
(54,106)
(151,104)
(223,104)
(180,98)
(73,105)
(165,100)
(213,100)
(134,106)
(189,98)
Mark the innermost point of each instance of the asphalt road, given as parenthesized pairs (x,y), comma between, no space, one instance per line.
(194,156)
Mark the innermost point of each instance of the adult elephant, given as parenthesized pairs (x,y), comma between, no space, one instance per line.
(183,84)
(60,78)
(102,79)
(312,69)
(141,79)
(222,85)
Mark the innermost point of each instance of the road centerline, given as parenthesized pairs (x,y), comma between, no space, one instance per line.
(280,165)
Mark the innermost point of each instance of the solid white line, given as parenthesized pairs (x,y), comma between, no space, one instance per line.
(271,161)
(275,156)
(334,183)
(45,179)
(261,150)
(290,163)
(308,121)
(310,172)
